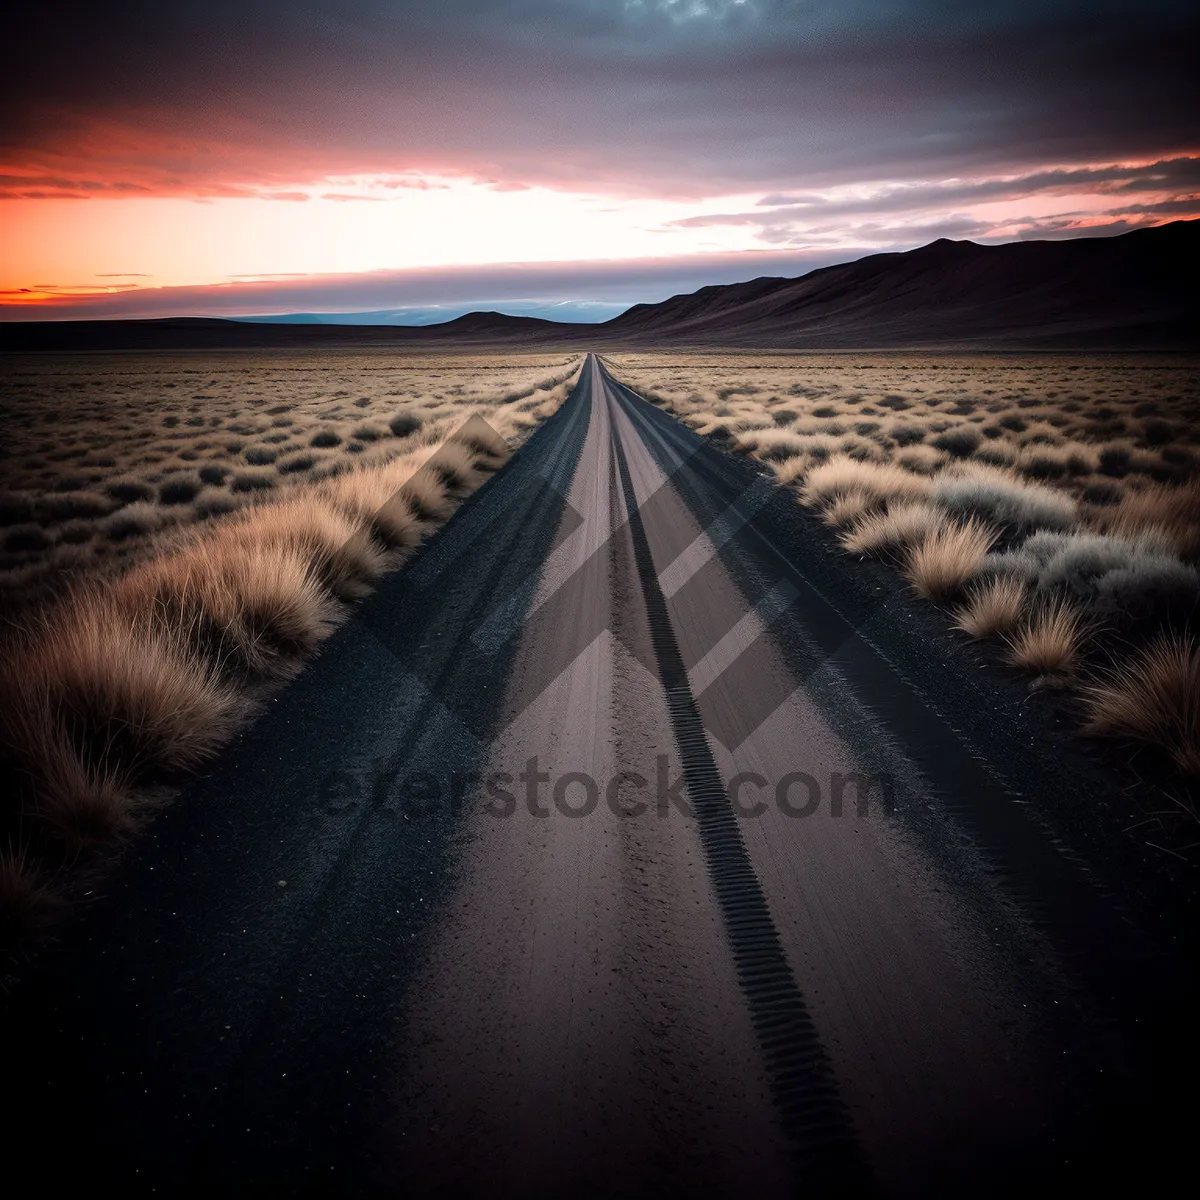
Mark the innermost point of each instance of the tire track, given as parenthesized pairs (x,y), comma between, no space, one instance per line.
(811,1113)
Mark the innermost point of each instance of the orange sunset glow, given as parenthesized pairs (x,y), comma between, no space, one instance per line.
(185,169)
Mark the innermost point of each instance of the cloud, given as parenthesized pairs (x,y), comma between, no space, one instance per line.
(1181,173)
(606,283)
(679,97)
(907,214)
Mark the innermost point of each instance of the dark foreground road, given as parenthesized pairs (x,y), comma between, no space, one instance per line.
(620,847)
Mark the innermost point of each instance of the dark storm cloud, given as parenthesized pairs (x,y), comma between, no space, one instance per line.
(685,97)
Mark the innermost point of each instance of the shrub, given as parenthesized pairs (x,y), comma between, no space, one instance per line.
(252,479)
(1178,456)
(383,500)
(1101,491)
(943,561)
(178,489)
(1153,698)
(260,456)
(213,473)
(67,505)
(996,495)
(993,607)
(999,453)
(959,441)
(1157,432)
(369,431)
(126,490)
(1080,562)
(325,438)
(883,482)
(214,503)
(925,460)
(337,548)
(1116,458)
(134,520)
(790,469)
(899,527)
(774,445)
(28,906)
(906,435)
(403,423)
(29,536)
(1042,462)
(1048,644)
(478,436)
(300,460)
(861,449)
(103,697)
(76,532)
(15,508)
(260,607)
(1173,511)
(848,507)
(455,463)
(1154,589)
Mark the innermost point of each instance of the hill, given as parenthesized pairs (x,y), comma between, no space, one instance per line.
(1132,291)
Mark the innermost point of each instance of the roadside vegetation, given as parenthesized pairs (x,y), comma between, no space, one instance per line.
(1049,503)
(105,456)
(122,672)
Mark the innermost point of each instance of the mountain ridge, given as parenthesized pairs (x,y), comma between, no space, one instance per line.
(1129,291)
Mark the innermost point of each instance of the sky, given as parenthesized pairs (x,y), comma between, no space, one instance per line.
(561,157)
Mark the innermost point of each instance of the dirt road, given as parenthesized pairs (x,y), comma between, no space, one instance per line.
(620,846)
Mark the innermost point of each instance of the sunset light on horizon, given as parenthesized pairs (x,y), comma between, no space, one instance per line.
(221,150)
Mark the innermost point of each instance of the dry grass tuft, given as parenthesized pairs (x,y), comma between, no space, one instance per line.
(992,608)
(96,697)
(28,907)
(895,529)
(1174,511)
(119,689)
(258,609)
(790,469)
(880,482)
(996,495)
(1153,698)
(925,460)
(945,560)
(455,463)
(1049,643)
(86,804)
(849,507)
(337,548)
